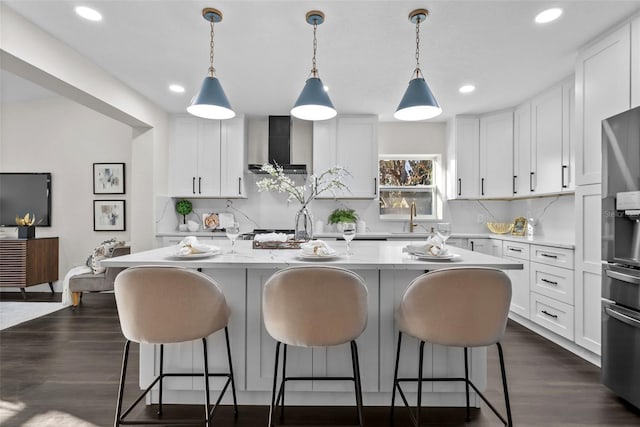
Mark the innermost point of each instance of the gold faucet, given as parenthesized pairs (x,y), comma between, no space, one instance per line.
(412,214)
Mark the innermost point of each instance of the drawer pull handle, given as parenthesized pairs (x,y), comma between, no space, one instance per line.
(555,316)
(515,249)
(549,255)
(549,282)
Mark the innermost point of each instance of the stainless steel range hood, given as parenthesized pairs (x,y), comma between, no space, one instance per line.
(280,147)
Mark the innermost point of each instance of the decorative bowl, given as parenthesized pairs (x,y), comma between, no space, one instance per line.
(500,227)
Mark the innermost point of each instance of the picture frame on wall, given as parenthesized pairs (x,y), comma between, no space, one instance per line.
(108,178)
(109,215)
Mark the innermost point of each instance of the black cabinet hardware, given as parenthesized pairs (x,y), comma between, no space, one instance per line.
(564,168)
(549,282)
(549,256)
(193,185)
(555,316)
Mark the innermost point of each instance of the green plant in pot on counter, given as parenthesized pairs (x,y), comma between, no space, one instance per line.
(342,215)
(184,208)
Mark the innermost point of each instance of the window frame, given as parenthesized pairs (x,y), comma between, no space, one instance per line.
(435,188)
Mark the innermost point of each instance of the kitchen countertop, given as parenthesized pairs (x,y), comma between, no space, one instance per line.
(383,255)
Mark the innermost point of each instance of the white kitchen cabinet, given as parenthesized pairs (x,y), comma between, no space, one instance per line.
(458,242)
(351,142)
(334,361)
(465,139)
(546,142)
(603,73)
(588,267)
(568,181)
(206,157)
(496,145)
(552,314)
(485,246)
(519,278)
(635,63)
(521,150)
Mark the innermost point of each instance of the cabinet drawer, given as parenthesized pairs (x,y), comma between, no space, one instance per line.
(515,250)
(554,282)
(559,257)
(553,315)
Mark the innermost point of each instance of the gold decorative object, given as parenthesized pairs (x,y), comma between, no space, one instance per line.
(500,227)
(519,226)
(27,221)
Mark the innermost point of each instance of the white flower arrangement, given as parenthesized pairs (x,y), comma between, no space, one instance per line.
(329,180)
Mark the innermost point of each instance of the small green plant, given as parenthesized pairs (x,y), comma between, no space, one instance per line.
(343,215)
(184,208)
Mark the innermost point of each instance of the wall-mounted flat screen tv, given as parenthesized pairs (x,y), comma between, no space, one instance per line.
(22,193)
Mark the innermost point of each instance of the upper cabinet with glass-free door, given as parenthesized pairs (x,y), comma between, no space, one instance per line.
(207,157)
(464,149)
(496,146)
(350,142)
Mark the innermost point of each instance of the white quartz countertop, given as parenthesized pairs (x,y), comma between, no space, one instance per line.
(377,255)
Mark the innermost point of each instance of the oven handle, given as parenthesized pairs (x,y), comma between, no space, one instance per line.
(623,318)
(624,277)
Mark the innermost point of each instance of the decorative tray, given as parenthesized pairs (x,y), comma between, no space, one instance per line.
(289,244)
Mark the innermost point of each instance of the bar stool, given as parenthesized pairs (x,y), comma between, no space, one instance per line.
(162,305)
(457,307)
(313,306)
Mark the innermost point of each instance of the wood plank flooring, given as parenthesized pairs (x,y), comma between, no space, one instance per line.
(62,370)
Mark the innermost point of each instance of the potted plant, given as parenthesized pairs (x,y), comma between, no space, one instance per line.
(340,216)
(184,208)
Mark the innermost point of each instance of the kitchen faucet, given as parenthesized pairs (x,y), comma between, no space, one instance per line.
(412,214)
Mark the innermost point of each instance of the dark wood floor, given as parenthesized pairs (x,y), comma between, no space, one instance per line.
(62,370)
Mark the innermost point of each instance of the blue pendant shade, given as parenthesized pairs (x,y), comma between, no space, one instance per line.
(313,102)
(211,102)
(418,102)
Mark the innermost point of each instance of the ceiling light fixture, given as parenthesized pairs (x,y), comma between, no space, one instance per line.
(418,102)
(211,102)
(313,102)
(176,88)
(88,13)
(548,15)
(467,89)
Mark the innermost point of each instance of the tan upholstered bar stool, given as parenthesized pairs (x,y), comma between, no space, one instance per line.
(457,307)
(313,306)
(163,305)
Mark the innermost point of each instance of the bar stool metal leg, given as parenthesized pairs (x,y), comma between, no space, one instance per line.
(504,385)
(123,373)
(395,378)
(275,384)
(284,382)
(355,360)
(421,359)
(233,383)
(466,381)
(207,402)
(159,412)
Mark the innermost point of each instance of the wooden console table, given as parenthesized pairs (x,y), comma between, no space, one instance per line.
(28,262)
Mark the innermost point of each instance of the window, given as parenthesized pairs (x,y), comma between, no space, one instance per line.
(405,180)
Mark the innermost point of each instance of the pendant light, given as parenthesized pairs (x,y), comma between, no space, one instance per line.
(418,102)
(313,102)
(211,102)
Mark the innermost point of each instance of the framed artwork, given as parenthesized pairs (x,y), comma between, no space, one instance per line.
(108,215)
(108,178)
(519,226)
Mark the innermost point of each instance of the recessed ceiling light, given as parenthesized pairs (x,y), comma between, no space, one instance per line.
(176,88)
(88,13)
(548,15)
(467,89)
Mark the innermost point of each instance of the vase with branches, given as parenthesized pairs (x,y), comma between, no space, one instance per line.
(331,180)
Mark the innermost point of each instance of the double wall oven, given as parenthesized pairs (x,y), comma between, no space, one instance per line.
(621,255)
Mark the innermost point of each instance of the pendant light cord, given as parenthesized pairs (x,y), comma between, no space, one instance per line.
(314,70)
(417,71)
(211,45)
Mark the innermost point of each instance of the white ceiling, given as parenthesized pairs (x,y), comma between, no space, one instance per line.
(365,48)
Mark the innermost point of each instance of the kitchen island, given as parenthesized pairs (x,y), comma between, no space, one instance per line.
(387,272)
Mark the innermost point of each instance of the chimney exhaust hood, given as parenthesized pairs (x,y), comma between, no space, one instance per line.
(280,147)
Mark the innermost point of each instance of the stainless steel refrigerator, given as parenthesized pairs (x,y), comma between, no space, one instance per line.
(621,255)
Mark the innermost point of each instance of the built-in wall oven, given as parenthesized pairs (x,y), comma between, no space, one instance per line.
(621,255)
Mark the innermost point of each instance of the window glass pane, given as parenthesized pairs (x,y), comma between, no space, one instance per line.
(406,172)
(397,202)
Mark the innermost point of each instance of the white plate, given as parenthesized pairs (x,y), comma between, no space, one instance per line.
(196,256)
(302,255)
(449,257)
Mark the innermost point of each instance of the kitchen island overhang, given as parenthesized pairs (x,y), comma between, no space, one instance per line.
(387,272)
